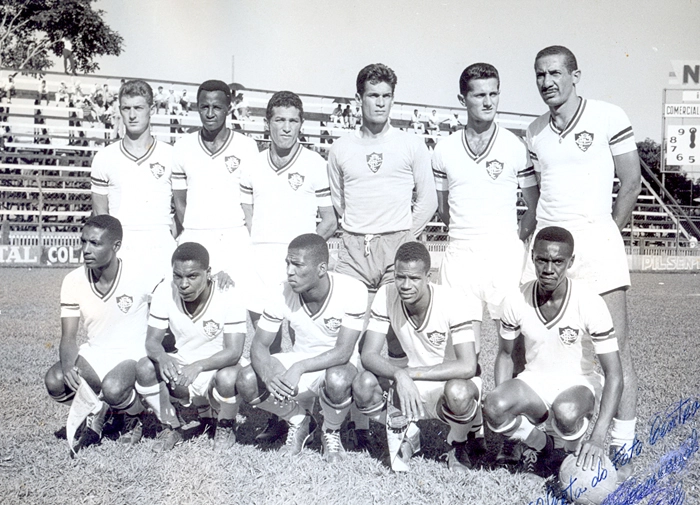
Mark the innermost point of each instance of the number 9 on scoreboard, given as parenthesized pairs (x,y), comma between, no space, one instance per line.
(683,145)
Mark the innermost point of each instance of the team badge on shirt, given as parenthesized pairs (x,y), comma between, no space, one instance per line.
(211,328)
(437,338)
(583,140)
(374,161)
(568,335)
(332,323)
(157,170)
(295,180)
(494,168)
(125,302)
(232,163)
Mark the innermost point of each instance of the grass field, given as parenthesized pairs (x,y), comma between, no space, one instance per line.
(35,467)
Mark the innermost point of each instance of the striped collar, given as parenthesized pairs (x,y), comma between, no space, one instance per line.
(323,307)
(227,142)
(572,122)
(289,163)
(478,158)
(562,309)
(199,313)
(428,311)
(104,296)
(133,158)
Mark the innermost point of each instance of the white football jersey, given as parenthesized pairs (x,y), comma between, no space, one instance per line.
(139,190)
(448,322)
(483,188)
(201,336)
(115,320)
(212,180)
(285,200)
(576,165)
(566,344)
(316,333)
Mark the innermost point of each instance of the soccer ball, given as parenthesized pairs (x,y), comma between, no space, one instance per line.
(587,487)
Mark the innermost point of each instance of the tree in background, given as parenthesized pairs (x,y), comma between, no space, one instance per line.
(32,30)
(677,182)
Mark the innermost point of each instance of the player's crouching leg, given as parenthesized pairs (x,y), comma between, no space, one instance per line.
(224,400)
(460,408)
(335,394)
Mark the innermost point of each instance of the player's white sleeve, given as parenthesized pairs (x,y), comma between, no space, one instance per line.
(246,183)
(70,306)
(272,316)
(354,316)
(599,324)
(235,314)
(425,203)
(335,179)
(439,170)
(158,313)
(525,170)
(510,320)
(620,134)
(462,317)
(99,176)
(321,185)
(179,174)
(379,313)
(531,150)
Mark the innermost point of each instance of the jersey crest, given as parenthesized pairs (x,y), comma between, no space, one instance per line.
(332,323)
(125,302)
(157,170)
(494,168)
(568,335)
(295,180)
(211,328)
(374,161)
(583,140)
(437,338)
(232,163)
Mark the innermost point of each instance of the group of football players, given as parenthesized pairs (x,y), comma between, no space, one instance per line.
(372,338)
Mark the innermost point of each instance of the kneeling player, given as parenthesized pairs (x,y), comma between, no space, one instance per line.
(112,299)
(436,380)
(209,326)
(325,312)
(559,319)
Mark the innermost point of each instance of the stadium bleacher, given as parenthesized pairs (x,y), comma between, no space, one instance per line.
(46,152)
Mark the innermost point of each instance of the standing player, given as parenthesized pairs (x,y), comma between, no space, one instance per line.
(436,379)
(563,323)
(325,312)
(477,175)
(209,326)
(577,148)
(112,299)
(131,180)
(206,182)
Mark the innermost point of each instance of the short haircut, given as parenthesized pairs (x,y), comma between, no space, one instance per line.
(191,251)
(477,71)
(374,74)
(284,99)
(215,85)
(569,58)
(413,251)
(137,87)
(314,245)
(108,223)
(555,234)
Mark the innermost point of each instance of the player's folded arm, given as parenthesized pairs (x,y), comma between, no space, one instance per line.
(260,350)
(154,337)
(462,367)
(372,359)
(340,354)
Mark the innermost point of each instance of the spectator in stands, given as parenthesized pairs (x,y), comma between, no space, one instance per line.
(73,123)
(38,120)
(62,93)
(416,122)
(10,89)
(184,103)
(453,122)
(43,91)
(108,95)
(68,56)
(242,108)
(337,116)
(325,135)
(433,123)
(76,92)
(160,100)
(346,116)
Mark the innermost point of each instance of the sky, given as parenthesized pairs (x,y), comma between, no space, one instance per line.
(624,48)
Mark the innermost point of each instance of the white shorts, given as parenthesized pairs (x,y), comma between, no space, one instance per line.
(229,250)
(150,251)
(431,392)
(485,271)
(269,271)
(310,382)
(599,258)
(549,386)
(200,386)
(103,361)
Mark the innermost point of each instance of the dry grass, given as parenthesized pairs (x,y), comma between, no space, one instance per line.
(35,467)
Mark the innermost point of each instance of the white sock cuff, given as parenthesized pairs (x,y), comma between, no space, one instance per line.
(622,432)
(127,403)
(221,399)
(575,436)
(504,428)
(148,390)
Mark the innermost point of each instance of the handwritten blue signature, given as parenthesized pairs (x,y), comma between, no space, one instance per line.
(572,491)
(623,455)
(676,414)
(660,486)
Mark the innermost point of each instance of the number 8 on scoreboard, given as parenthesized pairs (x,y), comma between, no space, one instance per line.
(683,145)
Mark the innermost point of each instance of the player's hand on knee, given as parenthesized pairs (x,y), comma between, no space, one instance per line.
(279,389)
(590,454)
(169,370)
(71,377)
(188,374)
(409,396)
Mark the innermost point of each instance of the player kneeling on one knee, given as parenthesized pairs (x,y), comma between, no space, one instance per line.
(435,380)
(325,312)
(209,328)
(112,298)
(563,324)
